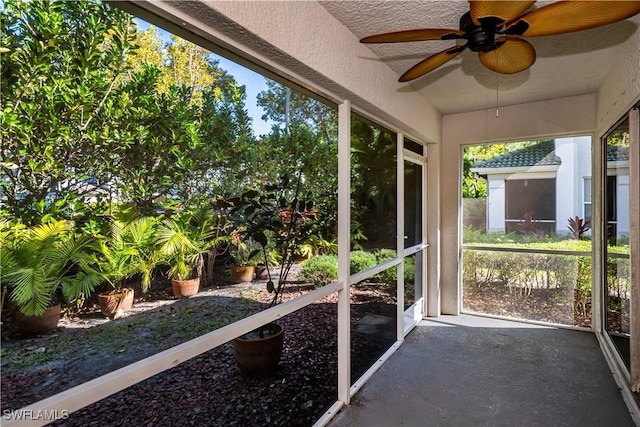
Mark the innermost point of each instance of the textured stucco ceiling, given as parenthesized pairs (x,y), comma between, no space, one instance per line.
(566,65)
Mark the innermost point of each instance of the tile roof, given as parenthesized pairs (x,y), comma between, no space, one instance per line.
(539,154)
(615,153)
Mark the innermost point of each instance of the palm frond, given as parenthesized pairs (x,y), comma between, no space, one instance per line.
(48,231)
(83,283)
(32,290)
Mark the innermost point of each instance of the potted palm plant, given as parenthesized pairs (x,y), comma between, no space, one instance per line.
(184,240)
(276,218)
(114,263)
(42,265)
(128,250)
(244,252)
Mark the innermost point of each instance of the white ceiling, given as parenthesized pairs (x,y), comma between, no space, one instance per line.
(566,65)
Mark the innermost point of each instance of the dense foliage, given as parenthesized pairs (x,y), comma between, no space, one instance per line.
(61,98)
(544,270)
(360,261)
(107,114)
(101,117)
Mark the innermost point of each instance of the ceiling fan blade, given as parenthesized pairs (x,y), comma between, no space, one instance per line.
(498,11)
(431,63)
(567,16)
(513,55)
(421,34)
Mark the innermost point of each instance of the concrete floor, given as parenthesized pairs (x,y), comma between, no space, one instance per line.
(474,371)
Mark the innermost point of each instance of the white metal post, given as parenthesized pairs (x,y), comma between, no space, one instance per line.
(432,296)
(400,236)
(344,243)
(598,231)
(634,244)
(425,242)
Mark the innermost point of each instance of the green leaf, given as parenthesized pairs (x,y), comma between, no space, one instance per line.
(261,238)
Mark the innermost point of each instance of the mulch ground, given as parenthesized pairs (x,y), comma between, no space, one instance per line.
(205,390)
(545,305)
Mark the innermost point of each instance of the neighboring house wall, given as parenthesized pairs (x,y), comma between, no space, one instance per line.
(525,182)
(496,203)
(576,166)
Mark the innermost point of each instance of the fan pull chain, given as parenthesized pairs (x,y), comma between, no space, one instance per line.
(497,91)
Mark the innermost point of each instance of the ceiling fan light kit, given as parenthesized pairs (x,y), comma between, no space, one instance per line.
(495,30)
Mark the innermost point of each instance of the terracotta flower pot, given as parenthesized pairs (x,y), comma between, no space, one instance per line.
(185,288)
(34,325)
(262,272)
(114,303)
(242,274)
(255,355)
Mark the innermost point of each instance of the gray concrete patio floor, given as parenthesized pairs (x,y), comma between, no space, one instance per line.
(476,371)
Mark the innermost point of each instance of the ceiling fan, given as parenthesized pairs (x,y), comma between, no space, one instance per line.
(495,29)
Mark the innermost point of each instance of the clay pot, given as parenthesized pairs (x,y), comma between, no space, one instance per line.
(185,288)
(258,356)
(34,325)
(242,274)
(114,303)
(262,273)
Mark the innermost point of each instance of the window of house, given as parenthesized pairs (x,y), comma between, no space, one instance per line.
(587,199)
(611,208)
(531,201)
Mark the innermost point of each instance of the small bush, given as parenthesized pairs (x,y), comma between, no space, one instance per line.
(390,275)
(320,270)
(538,270)
(409,269)
(361,260)
(384,255)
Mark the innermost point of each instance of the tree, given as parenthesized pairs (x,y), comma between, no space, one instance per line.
(150,50)
(373,183)
(87,101)
(303,110)
(181,63)
(185,133)
(472,185)
(311,138)
(59,92)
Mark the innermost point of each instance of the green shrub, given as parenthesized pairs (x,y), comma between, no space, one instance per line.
(361,260)
(540,270)
(471,236)
(320,270)
(384,255)
(409,269)
(390,275)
